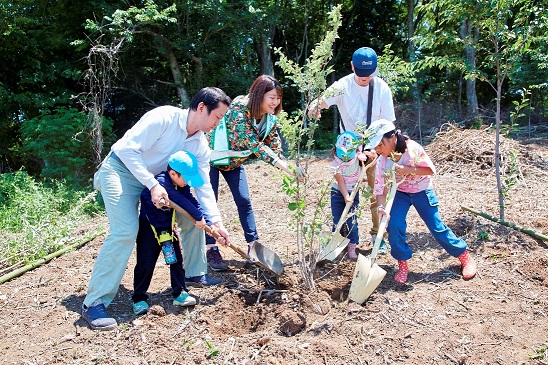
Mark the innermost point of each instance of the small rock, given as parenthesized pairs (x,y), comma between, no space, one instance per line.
(291,322)
(157,310)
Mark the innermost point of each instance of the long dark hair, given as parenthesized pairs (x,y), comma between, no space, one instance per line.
(261,86)
(401,140)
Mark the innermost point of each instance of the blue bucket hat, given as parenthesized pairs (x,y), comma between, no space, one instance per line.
(186,164)
(346,145)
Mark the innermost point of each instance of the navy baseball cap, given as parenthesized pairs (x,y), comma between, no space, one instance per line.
(365,62)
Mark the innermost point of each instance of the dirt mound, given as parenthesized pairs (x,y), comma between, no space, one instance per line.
(499,317)
(468,152)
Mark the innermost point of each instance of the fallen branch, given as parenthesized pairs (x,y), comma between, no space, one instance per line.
(507,224)
(47,258)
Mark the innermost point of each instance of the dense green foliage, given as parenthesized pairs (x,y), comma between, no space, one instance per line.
(37,219)
(154,53)
(62,141)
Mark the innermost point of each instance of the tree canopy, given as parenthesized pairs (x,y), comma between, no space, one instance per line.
(150,53)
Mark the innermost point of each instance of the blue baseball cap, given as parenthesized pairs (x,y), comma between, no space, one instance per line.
(346,145)
(365,62)
(186,164)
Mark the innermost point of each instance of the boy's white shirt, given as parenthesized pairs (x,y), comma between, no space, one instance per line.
(351,100)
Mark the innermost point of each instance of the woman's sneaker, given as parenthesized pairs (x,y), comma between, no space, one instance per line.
(140,307)
(184,300)
(215,260)
(203,280)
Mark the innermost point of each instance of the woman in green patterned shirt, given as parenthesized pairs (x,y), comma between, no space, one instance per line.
(248,128)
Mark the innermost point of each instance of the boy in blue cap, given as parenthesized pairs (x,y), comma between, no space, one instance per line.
(361,97)
(157,228)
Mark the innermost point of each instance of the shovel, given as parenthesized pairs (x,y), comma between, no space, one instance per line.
(367,274)
(337,243)
(258,254)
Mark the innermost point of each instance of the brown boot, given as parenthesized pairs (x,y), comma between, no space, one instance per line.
(469,266)
(401,275)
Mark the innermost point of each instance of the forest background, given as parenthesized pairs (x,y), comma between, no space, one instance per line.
(77,75)
(443,59)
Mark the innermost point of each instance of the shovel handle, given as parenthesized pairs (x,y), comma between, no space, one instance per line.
(208,229)
(384,220)
(179,209)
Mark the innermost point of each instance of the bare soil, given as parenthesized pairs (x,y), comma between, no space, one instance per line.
(499,317)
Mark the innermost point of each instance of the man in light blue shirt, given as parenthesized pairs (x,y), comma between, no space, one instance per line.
(131,165)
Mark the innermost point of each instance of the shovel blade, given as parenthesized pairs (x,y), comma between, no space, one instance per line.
(367,276)
(333,248)
(267,257)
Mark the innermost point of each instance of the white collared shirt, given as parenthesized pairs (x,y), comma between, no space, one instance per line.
(146,147)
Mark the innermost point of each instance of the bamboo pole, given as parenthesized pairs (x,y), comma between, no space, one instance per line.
(47,258)
(528,231)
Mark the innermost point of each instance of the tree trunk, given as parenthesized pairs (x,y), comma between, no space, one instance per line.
(335,111)
(177,78)
(470,35)
(264,51)
(412,58)
(165,48)
(497,148)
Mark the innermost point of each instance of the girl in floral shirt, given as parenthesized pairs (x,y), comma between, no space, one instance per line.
(414,167)
(248,128)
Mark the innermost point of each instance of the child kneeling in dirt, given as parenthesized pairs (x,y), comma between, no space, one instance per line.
(158,230)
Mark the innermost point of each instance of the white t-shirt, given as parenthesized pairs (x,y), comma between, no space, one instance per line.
(146,147)
(351,99)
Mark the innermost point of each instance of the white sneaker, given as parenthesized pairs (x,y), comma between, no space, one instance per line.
(184,300)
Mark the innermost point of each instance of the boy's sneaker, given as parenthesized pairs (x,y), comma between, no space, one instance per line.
(184,300)
(140,307)
(203,280)
(215,260)
(98,318)
(383,247)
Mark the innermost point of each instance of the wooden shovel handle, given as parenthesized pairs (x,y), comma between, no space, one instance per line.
(208,229)
(387,208)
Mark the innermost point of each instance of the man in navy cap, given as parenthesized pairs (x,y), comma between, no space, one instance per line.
(361,97)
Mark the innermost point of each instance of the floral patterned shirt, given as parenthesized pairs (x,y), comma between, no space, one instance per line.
(350,172)
(414,155)
(244,133)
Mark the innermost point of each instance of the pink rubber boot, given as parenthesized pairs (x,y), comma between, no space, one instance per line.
(401,275)
(352,251)
(469,266)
